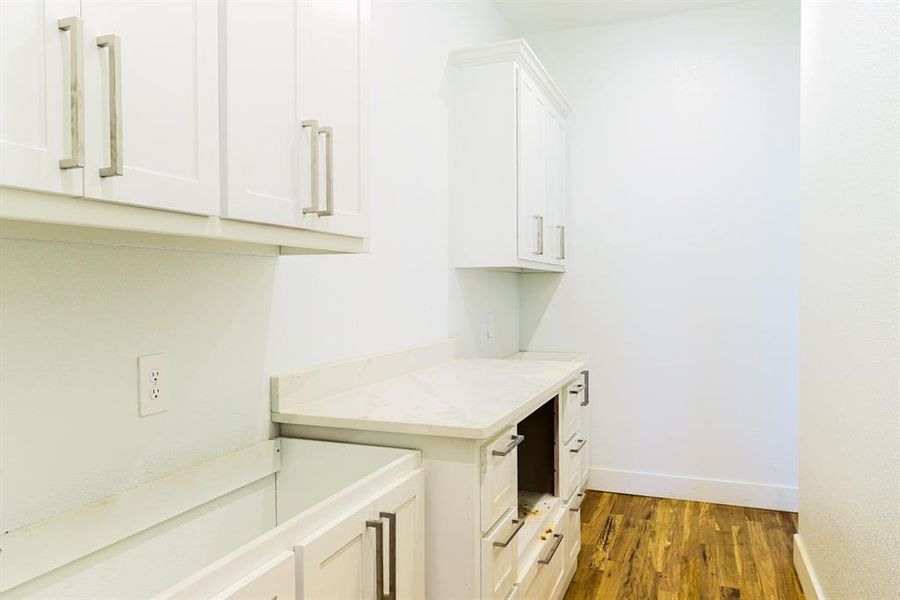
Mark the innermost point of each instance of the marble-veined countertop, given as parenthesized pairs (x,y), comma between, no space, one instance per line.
(463,398)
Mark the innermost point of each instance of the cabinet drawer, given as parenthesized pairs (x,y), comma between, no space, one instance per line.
(546,576)
(585,464)
(573,397)
(274,580)
(499,558)
(499,479)
(572,458)
(573,528)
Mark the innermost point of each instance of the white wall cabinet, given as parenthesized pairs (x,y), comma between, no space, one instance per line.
(509,161)
(152,103)
(38,80)
(296,117)
(249,113)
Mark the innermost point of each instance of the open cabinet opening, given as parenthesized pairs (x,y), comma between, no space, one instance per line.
(537,466)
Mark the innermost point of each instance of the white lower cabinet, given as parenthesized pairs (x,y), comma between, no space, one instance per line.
(275,580)
(351,519)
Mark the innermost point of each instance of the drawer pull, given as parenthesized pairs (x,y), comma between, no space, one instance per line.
(116,166)
(577,389)
(519,523)
(516,440)
(587,387)
(580,500)
(379,556)
(581,444)
(378,526)
(76,92)
(557,540)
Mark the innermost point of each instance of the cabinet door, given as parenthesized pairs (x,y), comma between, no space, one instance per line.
(151,98)
(556,187)
(403,508)
(290,63)
(38,87)
(273,581)
(337,561)
(499,477)
(532,147)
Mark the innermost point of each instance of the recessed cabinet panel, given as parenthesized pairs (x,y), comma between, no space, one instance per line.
(338,561)
(533,242)
(556,188)
(39,87)
(152,103)
(295,127)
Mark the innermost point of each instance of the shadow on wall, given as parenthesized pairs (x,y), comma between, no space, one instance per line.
(541,288)
(484,312)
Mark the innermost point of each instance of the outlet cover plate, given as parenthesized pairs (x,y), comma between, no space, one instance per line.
(154,382)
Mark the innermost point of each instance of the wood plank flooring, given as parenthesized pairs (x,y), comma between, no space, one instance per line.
(634,547)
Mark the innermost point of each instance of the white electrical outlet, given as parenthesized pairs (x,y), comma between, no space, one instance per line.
(490,327)
(154,381)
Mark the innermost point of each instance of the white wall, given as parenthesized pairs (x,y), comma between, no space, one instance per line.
(333,307)
(682,232)
(850,301)
(75,317)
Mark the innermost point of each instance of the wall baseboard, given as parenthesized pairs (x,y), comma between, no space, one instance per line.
(719,491)
(808,580)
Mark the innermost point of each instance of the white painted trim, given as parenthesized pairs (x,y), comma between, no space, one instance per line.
(520,52)
(36,215)
(322,381)
(805,572)
(31,551)
(719,491)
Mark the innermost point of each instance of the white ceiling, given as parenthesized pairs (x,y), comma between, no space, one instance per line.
(529,16)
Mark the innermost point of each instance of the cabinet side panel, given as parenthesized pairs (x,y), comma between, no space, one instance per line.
(483,169)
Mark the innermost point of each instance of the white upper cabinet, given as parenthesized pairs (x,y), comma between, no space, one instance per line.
(296,118)
(41,124)
(218,125)
(509,161)
(152,103)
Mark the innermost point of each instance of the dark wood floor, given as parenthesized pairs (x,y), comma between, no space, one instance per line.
(656,549)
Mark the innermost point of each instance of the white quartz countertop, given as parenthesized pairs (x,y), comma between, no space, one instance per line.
(464,398)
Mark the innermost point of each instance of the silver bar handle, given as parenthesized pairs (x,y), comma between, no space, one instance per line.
(557,540)
(378,526)
(329,172)
(314,132)
(313,126)
(76,92)
(537,222)
(516,440)
(392,555)
(116,152)
(561,241)
(580,501)
(587,387)
(519,524)
(581,444)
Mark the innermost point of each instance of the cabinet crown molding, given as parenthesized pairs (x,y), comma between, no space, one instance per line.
(520,52)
